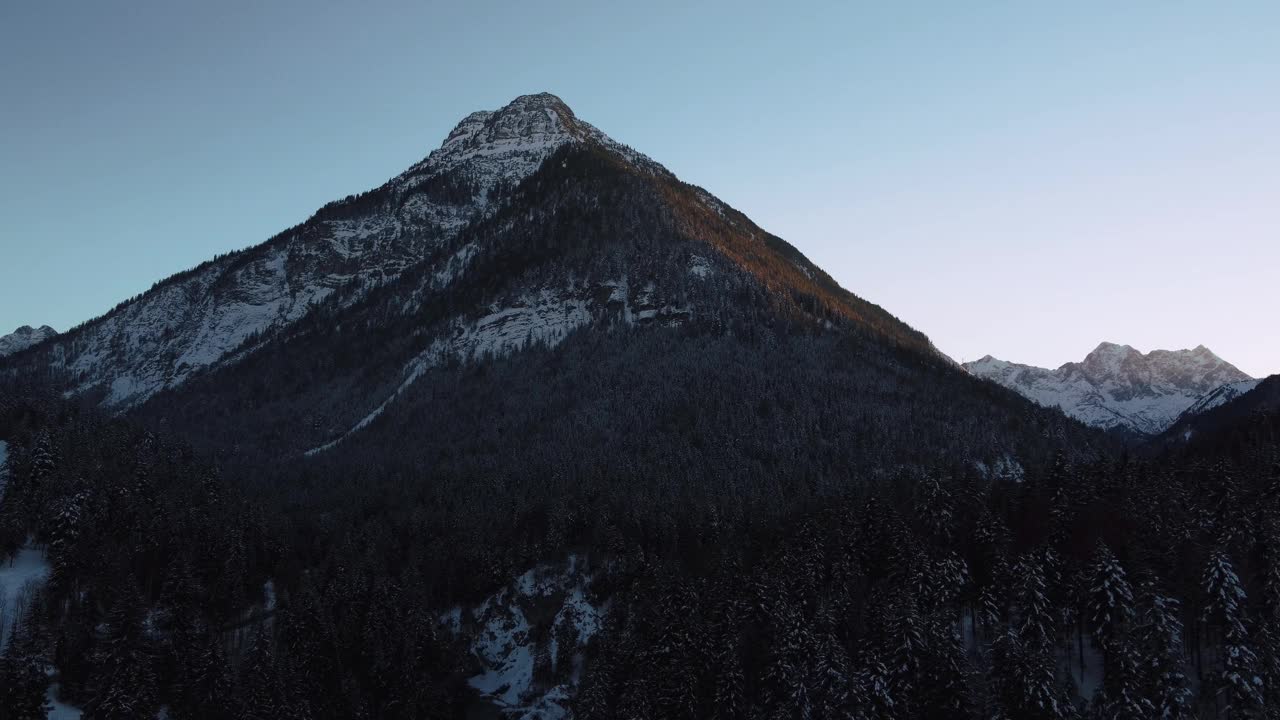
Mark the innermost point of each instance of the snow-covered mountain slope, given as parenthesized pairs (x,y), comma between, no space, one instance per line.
(1223,412)
(1223,394)
(1118,387)
(200,317)
(23,338)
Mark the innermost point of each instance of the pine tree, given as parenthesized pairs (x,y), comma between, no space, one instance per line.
(831,680)
(936,509)
(23,682)
(1110,597)
(871,691)
(262,687)
(1159,637)
(1238,684)
(127,687)
(1037,624)
(207,690)
(786,675)
(1121,695)
(729,701)
(945,682)
(1024,680)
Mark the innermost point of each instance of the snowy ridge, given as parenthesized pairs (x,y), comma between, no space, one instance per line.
(198,319)
(23,338)
(1220,396)
(1116,386)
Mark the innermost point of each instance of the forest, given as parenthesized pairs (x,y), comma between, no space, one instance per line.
(1125,587)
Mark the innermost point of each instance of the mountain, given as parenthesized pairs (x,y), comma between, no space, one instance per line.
(23,338)
(198,318)
(1118,387)
(552,230)
(536,287)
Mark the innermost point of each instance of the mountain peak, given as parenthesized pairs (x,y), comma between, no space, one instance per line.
(538,101)
(508,144)
(1119,386)
(23,338)
(1109,348)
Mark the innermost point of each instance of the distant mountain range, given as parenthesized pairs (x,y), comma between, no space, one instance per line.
(1117,387)
(23,338)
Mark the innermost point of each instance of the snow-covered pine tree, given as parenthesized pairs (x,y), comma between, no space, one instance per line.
(1023,680)
(23,682)
(1268,625)
(1159,639)
(935,507)
(787,673)
(1120,696)
(729,701)
(1036,621)
(1110,600)
(1238,686)
(127,690)
(871,690)
(946,678)
(263,699)
(831,673)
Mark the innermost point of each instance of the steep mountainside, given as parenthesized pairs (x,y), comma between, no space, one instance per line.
(365,327)
(1118,387)
(1218,396)
(23,338)
(197,318)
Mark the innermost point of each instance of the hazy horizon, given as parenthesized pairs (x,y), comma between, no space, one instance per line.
(1019,182)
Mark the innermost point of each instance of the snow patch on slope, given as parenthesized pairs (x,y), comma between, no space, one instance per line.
(501,638)
(543,317)
(699,266)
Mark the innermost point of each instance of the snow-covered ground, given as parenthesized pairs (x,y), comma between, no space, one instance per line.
(61,710)
(501,635)
(19,575)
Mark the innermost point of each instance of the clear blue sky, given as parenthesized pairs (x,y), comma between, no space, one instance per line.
(1021,179)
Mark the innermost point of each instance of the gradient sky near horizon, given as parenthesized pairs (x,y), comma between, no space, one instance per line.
(1020,179)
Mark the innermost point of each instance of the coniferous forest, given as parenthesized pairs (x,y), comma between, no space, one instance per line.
(1138,586)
